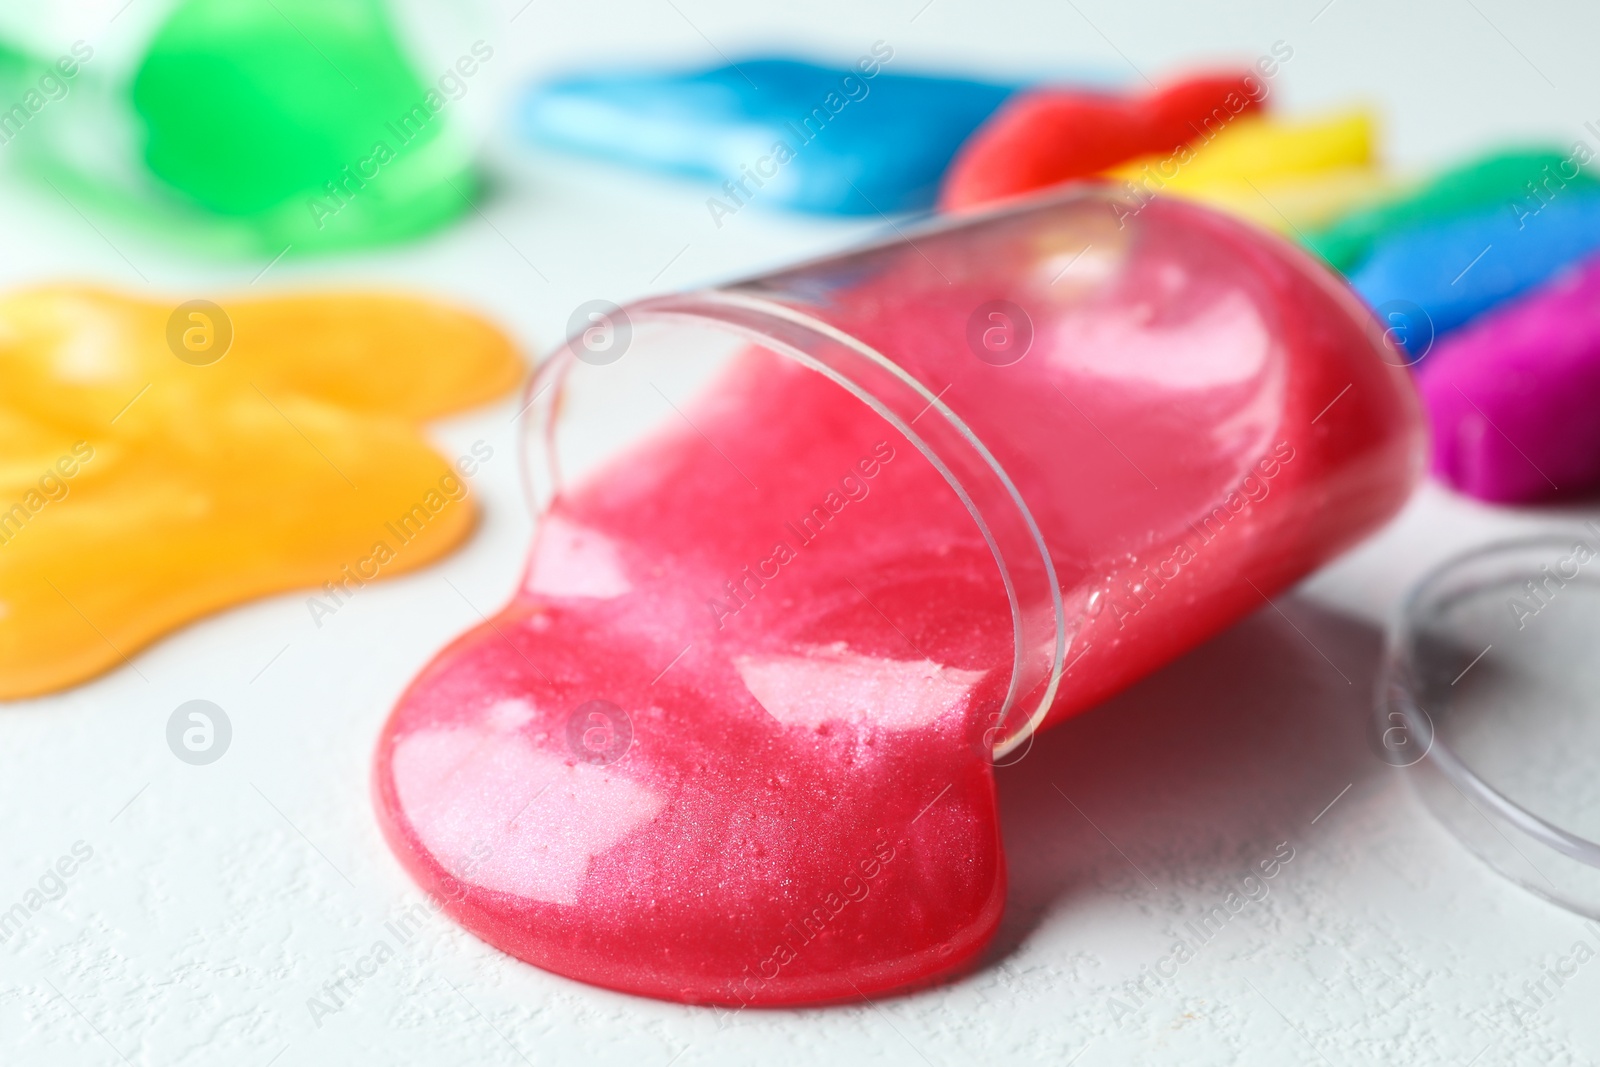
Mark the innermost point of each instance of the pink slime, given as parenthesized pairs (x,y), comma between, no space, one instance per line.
(801,806)
(1511,397)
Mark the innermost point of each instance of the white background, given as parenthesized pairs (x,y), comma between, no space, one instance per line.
(220,898)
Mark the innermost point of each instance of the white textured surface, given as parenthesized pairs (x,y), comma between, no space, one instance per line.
(220,898)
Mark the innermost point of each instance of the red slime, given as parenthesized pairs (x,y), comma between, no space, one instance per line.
(729,742)
(1041,137)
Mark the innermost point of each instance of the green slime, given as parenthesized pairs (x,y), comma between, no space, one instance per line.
(267,125)
(1507,179)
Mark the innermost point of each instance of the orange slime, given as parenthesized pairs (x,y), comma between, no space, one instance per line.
(146,482)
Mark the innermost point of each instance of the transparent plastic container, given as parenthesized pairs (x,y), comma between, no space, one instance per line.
(1491,699)
(815,551)
(1167,371)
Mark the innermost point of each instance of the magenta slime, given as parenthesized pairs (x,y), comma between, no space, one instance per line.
(818,551)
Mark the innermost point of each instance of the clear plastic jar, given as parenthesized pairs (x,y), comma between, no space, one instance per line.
(815,550)
(1063,359)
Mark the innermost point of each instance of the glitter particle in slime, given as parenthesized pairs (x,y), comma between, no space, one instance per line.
(140,490)
(733,738)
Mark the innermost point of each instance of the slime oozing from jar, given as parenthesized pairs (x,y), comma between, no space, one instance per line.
(730,740)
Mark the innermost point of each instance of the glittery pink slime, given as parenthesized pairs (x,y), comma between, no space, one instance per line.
(731,740)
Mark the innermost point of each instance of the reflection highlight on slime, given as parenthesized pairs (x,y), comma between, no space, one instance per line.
(732,739)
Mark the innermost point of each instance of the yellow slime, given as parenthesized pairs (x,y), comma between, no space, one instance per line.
(1282,175)
(140,490)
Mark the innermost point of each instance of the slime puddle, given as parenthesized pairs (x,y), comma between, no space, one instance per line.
(731,741)
(140,490)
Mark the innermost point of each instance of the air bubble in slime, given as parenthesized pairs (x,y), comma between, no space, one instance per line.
(817,551)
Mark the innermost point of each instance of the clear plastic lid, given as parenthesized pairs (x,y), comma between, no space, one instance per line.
(1491,699)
